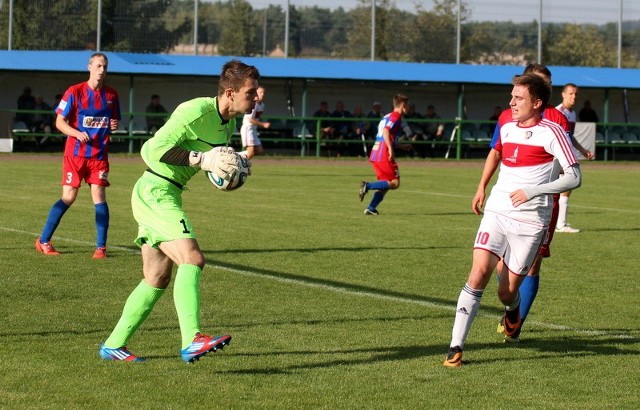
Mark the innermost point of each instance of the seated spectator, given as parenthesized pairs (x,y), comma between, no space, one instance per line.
(154,122)
(375,114)
(588,114)
(42,120)
(433,130)
(413,130)
(358,127)
(25,102)
(326,129)
(341,129)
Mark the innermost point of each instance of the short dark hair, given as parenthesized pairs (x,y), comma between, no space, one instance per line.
(540,69)
(537,86)
(234,74)
(400,99)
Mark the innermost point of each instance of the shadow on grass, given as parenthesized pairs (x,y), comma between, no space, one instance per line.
(342,286)
(326,249)
(587,230)
(564,347)
(567,347)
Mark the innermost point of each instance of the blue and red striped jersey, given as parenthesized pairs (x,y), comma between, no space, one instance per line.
(90,111)
(392,121)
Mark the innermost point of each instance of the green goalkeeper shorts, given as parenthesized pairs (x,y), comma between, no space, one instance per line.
(157,207)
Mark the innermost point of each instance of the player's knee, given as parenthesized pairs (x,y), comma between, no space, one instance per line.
(394,184)
(197,258)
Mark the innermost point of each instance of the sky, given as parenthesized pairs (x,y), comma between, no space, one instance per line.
(570,11)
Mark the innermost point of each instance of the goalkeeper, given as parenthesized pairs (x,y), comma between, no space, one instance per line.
(194,138)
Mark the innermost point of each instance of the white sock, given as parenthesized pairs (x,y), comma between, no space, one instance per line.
(466,311)
(563,207)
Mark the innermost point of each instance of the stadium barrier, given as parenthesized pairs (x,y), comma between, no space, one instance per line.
(302,136)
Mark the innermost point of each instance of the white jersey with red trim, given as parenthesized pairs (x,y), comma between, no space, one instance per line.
(528,157)
(255,114)
(571,117)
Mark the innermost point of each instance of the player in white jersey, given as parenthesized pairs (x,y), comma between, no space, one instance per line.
(249,129)
(569,96)
(518,211)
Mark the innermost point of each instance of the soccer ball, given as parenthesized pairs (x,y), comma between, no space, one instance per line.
(237,179)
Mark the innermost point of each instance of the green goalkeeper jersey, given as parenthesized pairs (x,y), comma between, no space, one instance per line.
(195,125)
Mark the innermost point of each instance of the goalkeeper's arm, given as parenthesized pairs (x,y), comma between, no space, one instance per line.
(179,156)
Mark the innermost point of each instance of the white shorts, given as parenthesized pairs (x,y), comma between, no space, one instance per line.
(249,135)
(515,242)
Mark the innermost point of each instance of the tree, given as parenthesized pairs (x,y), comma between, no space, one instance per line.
(237,36)
(139,25)
(42,25)
(576,45)
(315,22)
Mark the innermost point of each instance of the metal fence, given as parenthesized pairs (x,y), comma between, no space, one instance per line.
(144,26)
(302,136)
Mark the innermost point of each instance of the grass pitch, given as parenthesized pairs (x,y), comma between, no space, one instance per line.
(328,308)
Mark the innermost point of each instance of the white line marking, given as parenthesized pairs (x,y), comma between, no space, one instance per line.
(347,291)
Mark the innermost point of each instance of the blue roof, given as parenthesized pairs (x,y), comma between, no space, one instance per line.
(294,68)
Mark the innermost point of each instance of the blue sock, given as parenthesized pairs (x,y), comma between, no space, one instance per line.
(102,224)
(381,185)
(377,198)
(528,292)
(53,220)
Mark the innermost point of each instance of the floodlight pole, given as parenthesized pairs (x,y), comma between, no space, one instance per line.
(264,34)
(99,25)
(10,35)
(286,31)
(458,34)
(540,33)
(620,35)
(195,27)
(373,30)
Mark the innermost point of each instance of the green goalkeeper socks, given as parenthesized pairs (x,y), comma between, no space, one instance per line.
(186,296)
(136,310)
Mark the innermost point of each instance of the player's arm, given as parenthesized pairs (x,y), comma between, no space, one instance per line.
(114,121)
(571,179)
(256,122)
(386,134)
(587,154)
(490,166)
(63,126)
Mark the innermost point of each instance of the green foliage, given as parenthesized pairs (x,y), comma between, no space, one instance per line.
(328,308)
(577,45)
(237,36)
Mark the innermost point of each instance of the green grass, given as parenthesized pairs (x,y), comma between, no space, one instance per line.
(328,308)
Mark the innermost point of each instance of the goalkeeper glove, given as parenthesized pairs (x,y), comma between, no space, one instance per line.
(220,160)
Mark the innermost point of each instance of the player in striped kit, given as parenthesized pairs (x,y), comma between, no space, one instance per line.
(518,211)
(382,156)
(87,114)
